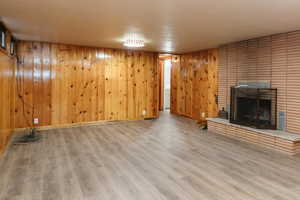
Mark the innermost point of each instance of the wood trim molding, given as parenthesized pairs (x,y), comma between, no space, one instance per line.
(80,124)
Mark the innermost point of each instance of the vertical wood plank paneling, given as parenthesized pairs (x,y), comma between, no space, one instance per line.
(55,90)
(19,109)
(155,85)
(28,83)
(46,85)
(64,82)
(181,82)
(147,87)
(71,84)
(115,85)
(123,87)
(197,77)
(108,85)
(100,69)
(37,80)
(7,82)
(12,96)
(194,85)
(212,109)
(174,84)
(7,94)
(130,85)
(191,69)
(150,85)
(179,73)
(139,84)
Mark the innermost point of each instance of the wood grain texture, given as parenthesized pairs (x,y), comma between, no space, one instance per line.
(194,82)
(273,59)
(7,94)
(212,93)
(65,84)
(165,159)
(161,84)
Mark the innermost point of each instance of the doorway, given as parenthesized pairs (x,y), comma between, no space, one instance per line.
(165,63)
(167,84)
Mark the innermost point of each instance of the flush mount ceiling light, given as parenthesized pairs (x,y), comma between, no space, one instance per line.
(134,42)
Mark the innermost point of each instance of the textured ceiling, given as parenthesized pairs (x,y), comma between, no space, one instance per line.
(174,26)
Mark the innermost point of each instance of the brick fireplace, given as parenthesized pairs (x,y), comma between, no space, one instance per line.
(253,107)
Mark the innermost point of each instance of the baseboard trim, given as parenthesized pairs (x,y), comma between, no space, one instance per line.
(79,124)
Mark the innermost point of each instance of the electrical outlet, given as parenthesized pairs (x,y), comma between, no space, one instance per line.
(203,115)
(144,112)
(35,120)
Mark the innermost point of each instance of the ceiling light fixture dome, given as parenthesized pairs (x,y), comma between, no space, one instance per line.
(134,42)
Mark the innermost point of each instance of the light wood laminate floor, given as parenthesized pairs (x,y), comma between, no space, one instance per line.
(164,159)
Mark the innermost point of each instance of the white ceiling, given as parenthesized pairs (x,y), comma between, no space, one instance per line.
(174,26)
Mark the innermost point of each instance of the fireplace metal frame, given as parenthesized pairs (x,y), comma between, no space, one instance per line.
(256,94)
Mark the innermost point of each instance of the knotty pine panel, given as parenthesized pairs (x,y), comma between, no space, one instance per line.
(161,84)
(194,82)
(181,84)
(212,95)
(175,85)
(7,94)
(65,84)
(7,86)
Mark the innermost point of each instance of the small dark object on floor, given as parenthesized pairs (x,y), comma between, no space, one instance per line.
(223,114)
(202,125)
(149,118)
(30,138)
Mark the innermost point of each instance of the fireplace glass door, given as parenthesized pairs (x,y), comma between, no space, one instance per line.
(253,107)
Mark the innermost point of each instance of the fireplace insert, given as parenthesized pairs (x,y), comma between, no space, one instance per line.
(253,107)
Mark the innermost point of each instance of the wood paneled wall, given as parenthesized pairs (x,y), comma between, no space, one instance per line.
(161,84)
(7,99)
(65,84)
(194,80)
(274,59)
